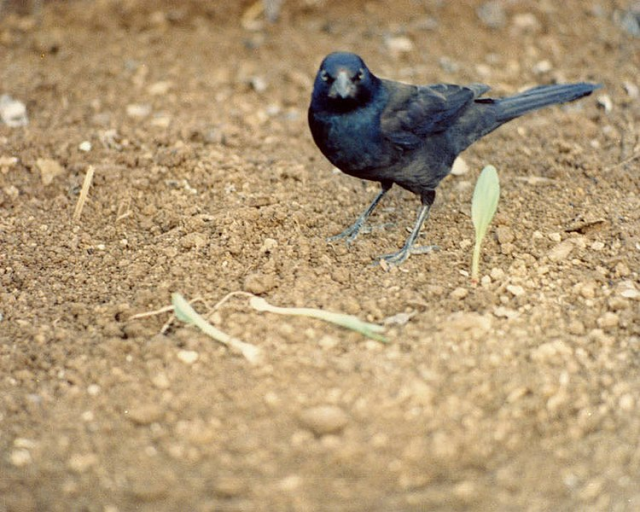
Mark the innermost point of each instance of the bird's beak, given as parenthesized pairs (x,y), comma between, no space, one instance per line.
(342,86)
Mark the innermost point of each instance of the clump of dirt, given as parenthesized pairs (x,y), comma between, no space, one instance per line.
(520,393)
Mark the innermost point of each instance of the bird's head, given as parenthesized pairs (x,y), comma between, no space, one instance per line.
(343,82)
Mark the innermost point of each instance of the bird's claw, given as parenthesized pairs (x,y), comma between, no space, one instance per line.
(397,258)
(351,233)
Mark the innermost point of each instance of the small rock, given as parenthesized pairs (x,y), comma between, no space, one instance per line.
(632,90)
(505,235)
(555,237)
(49,169)
(588,289)
(20,457)
(459,293)
(576,327)
(145,414)
(268,245)
(628,290)
(608,320)
(605,103)
(526,22)
(622,269)
(497,274)
(492,14)
(507,248)
(229,486)
(460,167)
(328,341)
(159,88)
(542,67)
(515,290)
(188,356)
(627,402)
(629,20)
(85,146)
(399,44)
(6,162)
(81,462)
(324,419)
(473,325)
(161,381)
(618,304)
(13,113)
(551,351)
(503,312)
(561,251)
(597,246)
(138,111)
(258,84)
(259,283)
(193,241)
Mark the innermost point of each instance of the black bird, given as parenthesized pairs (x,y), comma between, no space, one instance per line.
(391,132)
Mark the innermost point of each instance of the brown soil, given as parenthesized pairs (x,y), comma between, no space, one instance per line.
(522,393)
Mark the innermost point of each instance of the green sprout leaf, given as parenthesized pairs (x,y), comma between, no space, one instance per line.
(483,208)
(350,322)
(185,313)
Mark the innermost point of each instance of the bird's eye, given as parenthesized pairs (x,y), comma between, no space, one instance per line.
(324,76)
(360,75)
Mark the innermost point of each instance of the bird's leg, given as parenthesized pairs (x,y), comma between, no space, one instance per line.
(352,231)
(399,257)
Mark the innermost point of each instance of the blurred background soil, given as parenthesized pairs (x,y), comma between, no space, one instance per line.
(521,393)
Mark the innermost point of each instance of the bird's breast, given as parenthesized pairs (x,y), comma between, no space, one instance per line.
(351,141)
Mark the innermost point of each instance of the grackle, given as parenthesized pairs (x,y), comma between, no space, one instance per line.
(391,132)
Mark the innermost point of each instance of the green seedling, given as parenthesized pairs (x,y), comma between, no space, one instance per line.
(185,313)
(483,208)
(350,322)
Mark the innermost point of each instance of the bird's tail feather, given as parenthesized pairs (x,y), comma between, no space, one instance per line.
(539,97)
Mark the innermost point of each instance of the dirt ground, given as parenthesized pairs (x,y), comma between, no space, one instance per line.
(522,393)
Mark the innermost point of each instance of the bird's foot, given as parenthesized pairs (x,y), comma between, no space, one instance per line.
(351,233)
(397,258)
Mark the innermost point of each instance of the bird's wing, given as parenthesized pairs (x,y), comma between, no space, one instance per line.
(412,112)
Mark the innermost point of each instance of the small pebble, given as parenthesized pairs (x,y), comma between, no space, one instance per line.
(627,290)
(259,283)
(542,67)
(268,245)
(497,274)
(608,320)
(229,486)
(492,14)
(159,88)
(138,111)
(605,103)
(561,251)
(324,419)
(49,170)
(505,235)
(13,113)
(526,22)
(576,327)
(399,44)
(85,146)
(626,402)
(188,356)
(81,462)
(20,457)
(459,293)
(515,290)
(145,414)
(460,167)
